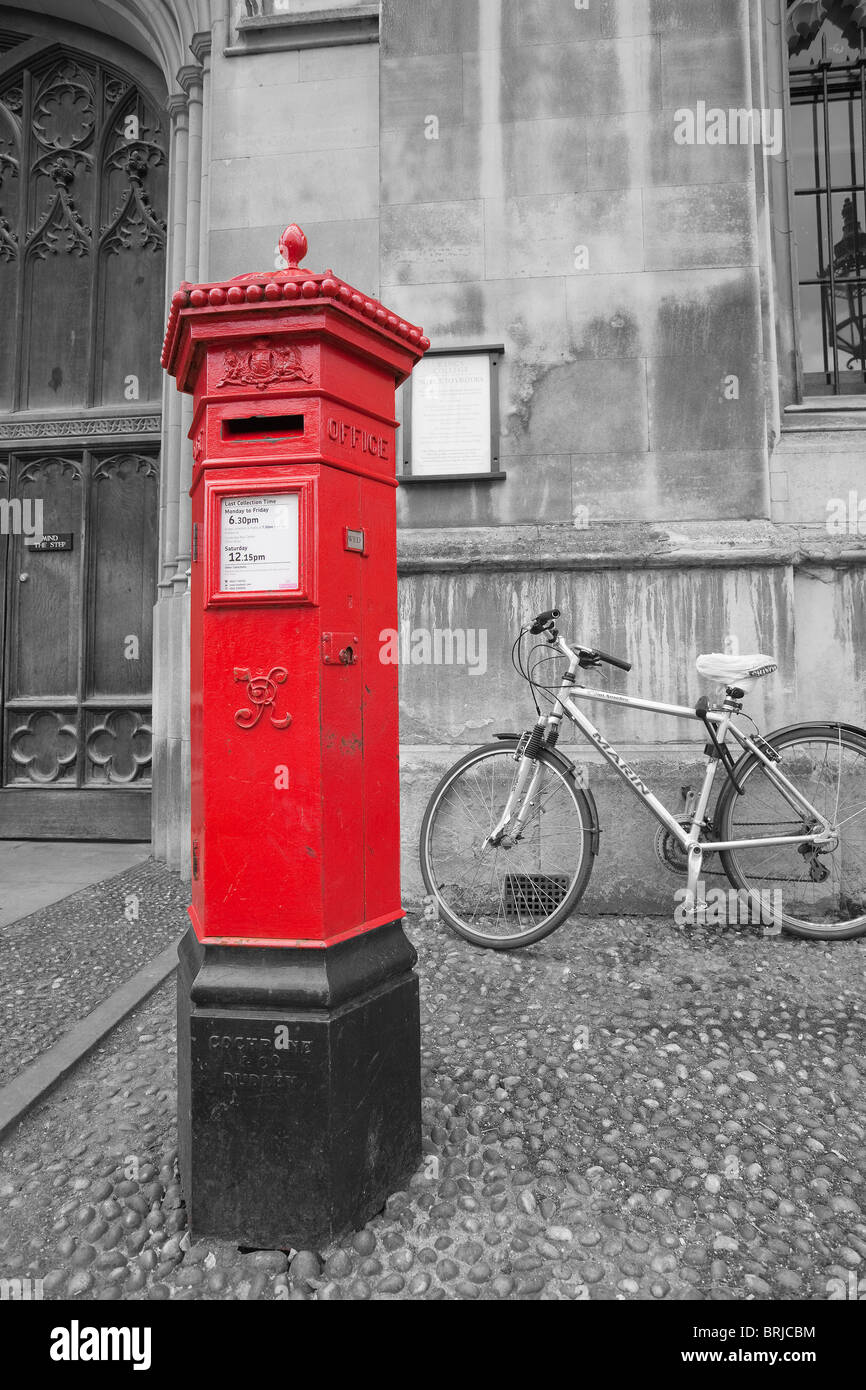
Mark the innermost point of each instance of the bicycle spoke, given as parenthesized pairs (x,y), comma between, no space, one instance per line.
(508,890)
(460,796)
(824,888)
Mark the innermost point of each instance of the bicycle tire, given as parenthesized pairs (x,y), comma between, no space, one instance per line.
(588,833)
(747,767)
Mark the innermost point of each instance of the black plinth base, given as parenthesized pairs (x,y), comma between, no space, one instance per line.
(299,1089)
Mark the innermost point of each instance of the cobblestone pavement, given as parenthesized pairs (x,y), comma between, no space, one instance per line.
(625,1111)
(58,964)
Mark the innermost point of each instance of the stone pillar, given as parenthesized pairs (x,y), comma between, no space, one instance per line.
(175,264)
(187,236)
(165,693)
(201,47)
(191,79)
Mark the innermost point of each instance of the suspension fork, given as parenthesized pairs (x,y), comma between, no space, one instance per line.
(526,785)
(531,774)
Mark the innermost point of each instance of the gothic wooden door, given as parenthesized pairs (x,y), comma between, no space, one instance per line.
(83,177)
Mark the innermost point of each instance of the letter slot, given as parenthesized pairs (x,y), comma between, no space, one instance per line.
(265,428)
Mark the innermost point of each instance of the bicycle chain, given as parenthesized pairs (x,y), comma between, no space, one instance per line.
(777,878)
(663,835)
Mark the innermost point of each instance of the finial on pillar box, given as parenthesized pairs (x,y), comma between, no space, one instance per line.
(293,246)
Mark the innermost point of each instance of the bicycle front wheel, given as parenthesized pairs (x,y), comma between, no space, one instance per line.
(518,891)
(815,891)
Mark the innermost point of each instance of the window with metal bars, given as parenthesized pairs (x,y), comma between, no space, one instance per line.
(827,72)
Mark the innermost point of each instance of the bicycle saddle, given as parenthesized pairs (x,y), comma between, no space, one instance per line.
(740,671)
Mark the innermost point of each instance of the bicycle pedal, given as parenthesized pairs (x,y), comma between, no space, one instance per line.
(694,915)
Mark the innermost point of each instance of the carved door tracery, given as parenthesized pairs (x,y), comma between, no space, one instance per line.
(79,623)
(83,193)
(83,210)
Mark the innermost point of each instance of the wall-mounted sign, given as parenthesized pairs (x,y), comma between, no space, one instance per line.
(353,539)
(259,543)
(58,540)
(451,415)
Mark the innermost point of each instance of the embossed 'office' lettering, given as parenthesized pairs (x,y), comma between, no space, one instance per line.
(354,437)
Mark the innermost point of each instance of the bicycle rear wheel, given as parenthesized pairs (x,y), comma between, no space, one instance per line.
(812,891)
(511,894)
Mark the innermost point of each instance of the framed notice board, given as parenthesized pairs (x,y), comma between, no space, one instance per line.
(451,416)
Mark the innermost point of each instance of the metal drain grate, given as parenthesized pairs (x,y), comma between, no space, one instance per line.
(533,895)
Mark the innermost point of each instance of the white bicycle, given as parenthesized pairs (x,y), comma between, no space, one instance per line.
(511,831)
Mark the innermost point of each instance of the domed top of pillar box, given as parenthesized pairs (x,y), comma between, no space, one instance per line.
(281,339)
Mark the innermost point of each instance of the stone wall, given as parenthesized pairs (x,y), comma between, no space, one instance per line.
(505,172)
(295,137)
(522,141)
(659,607)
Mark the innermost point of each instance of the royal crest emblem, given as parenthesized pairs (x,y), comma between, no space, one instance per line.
(261,365)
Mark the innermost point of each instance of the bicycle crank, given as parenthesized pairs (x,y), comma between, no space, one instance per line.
(669,850)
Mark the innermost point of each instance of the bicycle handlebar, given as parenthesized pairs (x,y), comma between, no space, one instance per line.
(612,660)
(544,621)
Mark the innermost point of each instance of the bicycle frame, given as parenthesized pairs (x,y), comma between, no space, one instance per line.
(531,772)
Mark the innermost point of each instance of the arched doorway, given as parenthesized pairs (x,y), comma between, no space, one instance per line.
(83,211)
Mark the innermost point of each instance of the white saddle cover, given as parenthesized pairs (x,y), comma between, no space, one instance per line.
(741,671)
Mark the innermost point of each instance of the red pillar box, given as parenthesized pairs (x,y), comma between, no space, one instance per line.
(298,1030)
